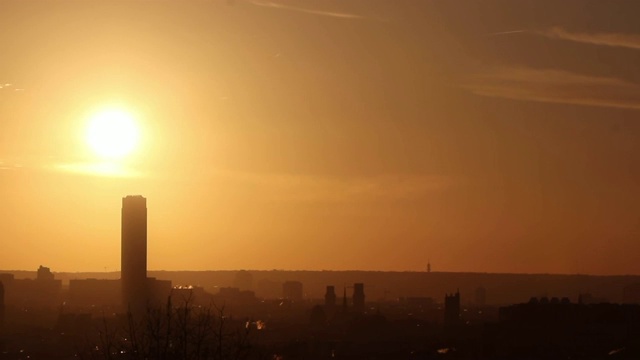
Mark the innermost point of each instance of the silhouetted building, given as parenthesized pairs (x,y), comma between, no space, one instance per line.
(330,297)
(158,291)
(236,301)
(481,296)
(452,309)
(134,251)
(44,274)
(1,305)
(564,313)
(94,292)
(292,290)
(6,278)
(189,294)
(32,293)
(358,297)
(236,295)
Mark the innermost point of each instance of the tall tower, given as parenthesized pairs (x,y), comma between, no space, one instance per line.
(134,251)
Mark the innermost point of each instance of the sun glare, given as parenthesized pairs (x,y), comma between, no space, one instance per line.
(112,133)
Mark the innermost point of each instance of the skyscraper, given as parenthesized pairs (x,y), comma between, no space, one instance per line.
(134,251)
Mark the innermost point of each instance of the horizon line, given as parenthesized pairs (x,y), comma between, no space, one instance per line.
(352,270)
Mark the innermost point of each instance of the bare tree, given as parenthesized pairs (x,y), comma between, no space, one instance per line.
(186,331)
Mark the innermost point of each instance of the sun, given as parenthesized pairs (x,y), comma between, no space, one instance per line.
(112,133)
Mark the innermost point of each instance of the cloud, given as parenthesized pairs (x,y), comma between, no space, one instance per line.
(101,169)
(7,166)
(509,32)
(555,86)
(342,15)
(630,41)
(11,164)
(50,164)
(308,188)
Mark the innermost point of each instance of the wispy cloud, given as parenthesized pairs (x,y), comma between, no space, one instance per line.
(307,188)
(8,87)
(6,165)
(51,164)
(509,32)
(631,41)
(555,86)
(101,169)
(342,15)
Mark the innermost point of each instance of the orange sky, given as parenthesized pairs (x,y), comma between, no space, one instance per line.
(492,136)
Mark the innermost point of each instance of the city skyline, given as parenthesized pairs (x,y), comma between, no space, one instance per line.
(336,135)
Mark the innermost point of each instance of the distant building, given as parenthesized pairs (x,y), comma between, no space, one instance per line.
(193,295)
(236,295)
(44,274)
(358,297)
(452,309)
(236,301)
(292,290)
(564,313)
(158,291)
(6,278)
(93,292)
(43,292)
(330,297)
(134,252)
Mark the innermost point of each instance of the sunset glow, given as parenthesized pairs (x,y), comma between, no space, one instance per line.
(488,136)
(317,179)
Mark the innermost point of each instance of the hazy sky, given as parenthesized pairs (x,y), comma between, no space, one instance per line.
(498,136)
